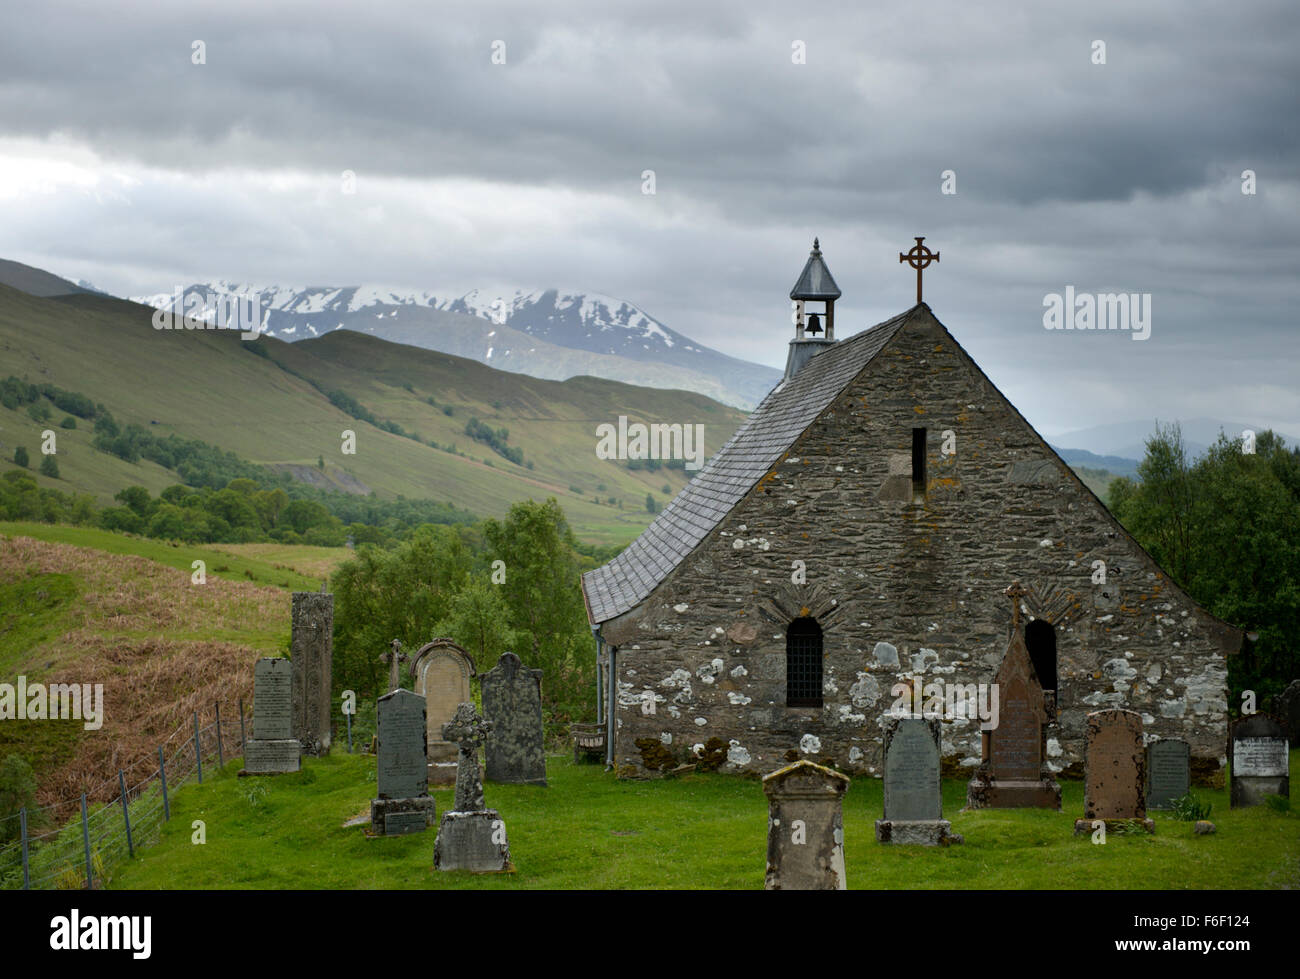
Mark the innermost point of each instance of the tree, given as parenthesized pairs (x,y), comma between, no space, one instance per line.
(136,499)
(479,620)
(650,503)
(542,592)
(50,467)
(1227,529)
(121,518)
(400,594)
(20,496)
(169,523)
(68,422)
(270,504)
(20,456)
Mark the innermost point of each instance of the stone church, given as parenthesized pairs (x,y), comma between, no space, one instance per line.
(858,532)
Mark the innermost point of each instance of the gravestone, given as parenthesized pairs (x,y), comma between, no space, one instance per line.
(913,800)
(1115,770)
(1168,772)
(1258,762)
(272,749)
(470,836)
(512,704)
(1010,774)
(394,659)
(312,656)
(805,828)
(1287,708)
(441,671)
(403,804)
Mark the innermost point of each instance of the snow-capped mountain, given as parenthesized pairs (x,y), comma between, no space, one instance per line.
(547,333)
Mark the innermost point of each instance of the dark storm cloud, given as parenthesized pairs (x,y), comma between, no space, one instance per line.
(1123,176)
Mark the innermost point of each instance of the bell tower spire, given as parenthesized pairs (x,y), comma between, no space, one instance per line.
(815,285)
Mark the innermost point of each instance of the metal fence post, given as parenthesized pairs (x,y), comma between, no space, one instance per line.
(198,752)
(22,827)
(85,838)
(162,771)
(221,758)
(126,813)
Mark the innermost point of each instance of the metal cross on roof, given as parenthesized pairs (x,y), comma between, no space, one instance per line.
(1015,591)
(919,257)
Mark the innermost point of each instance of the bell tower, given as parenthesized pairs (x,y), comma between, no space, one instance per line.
(815,285)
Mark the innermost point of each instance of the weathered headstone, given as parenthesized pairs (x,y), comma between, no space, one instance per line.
(312,656)
(403,804)
(441,671)
(1115,767)
(1258,761)
(1287,708)
(512,704)
(913,800)
(805,828)
(272,749)
(471,836)
(1168,772)
(1011,775)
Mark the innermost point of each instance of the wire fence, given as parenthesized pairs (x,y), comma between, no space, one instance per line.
(75,844)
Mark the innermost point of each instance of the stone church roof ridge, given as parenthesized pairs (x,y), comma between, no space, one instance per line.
(778,421)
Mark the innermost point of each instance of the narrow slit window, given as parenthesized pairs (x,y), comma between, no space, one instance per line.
(918,462)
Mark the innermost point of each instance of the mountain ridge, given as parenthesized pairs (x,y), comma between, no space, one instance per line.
(549,333)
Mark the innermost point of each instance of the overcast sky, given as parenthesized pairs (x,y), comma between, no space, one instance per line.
(124,162)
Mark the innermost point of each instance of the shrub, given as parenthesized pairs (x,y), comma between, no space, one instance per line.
(1190,808)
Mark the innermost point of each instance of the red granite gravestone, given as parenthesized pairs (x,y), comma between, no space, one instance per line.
(1010,775)
(1116,769)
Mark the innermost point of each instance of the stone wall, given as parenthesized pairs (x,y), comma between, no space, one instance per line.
(909,591)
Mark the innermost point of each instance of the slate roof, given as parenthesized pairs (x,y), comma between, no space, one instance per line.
(766,435)
(815,282)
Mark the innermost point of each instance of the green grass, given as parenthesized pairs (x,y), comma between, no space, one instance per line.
(589,830)
(222,560)
(33,611)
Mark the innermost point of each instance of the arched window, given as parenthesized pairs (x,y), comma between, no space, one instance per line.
(1040,640)
(803,663)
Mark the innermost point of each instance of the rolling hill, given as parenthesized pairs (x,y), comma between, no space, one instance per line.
(269,402)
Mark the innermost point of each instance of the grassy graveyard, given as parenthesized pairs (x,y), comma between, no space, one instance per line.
(590,831)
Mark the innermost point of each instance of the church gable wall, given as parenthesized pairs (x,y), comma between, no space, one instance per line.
(907,592)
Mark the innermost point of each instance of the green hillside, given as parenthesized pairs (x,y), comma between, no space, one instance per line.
(271,406)
(1097,480)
